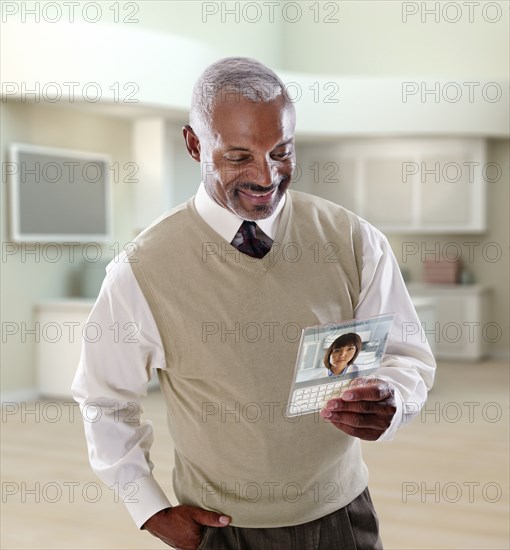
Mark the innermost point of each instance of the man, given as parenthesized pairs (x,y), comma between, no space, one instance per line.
(219,304)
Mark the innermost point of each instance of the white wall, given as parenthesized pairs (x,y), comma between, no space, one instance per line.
(374,37)
(29,278)
(369,39)
(229,28)
(488,263)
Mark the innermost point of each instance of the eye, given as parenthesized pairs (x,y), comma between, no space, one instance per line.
(282,156)
(236,159)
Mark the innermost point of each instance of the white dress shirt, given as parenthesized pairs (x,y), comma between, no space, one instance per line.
(114,371)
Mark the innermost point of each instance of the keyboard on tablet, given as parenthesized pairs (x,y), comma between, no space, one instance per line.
(314,398)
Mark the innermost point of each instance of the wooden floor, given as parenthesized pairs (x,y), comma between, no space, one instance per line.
(441,484)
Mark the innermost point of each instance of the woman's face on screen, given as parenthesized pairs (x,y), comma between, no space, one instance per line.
(340,357)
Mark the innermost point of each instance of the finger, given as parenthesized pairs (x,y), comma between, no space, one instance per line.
(387,406)
(377,391)
(355,420)
(206,517)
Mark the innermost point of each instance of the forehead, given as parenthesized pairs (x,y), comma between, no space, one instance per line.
(239,122)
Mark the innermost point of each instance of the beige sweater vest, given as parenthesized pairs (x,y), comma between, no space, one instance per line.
(230,326)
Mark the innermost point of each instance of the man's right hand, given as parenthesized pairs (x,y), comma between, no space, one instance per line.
(181,526)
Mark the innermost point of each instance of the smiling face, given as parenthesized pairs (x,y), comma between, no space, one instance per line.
(340,357)
(246,154)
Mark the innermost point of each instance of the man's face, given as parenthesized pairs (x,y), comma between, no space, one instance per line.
(247,156)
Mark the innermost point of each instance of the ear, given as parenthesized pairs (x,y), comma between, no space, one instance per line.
(192,142)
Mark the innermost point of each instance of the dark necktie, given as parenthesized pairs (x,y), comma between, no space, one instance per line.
(247,242)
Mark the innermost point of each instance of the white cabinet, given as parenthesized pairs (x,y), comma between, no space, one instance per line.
(426,311)
(426,185)
(61,324)
(462,330)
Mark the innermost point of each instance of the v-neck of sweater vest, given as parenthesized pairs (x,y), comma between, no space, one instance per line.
(207,234)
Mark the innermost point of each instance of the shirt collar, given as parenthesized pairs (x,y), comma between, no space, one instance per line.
(225,222)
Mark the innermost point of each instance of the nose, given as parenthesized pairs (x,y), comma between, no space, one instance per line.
(261,173)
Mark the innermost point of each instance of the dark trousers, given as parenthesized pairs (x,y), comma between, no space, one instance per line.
(354,527)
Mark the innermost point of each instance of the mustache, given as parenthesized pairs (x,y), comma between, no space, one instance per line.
(254,188)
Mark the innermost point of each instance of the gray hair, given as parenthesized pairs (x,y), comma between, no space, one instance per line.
(234,77)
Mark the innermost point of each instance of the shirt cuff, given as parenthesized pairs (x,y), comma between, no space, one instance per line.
(389,434)
(143,498)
